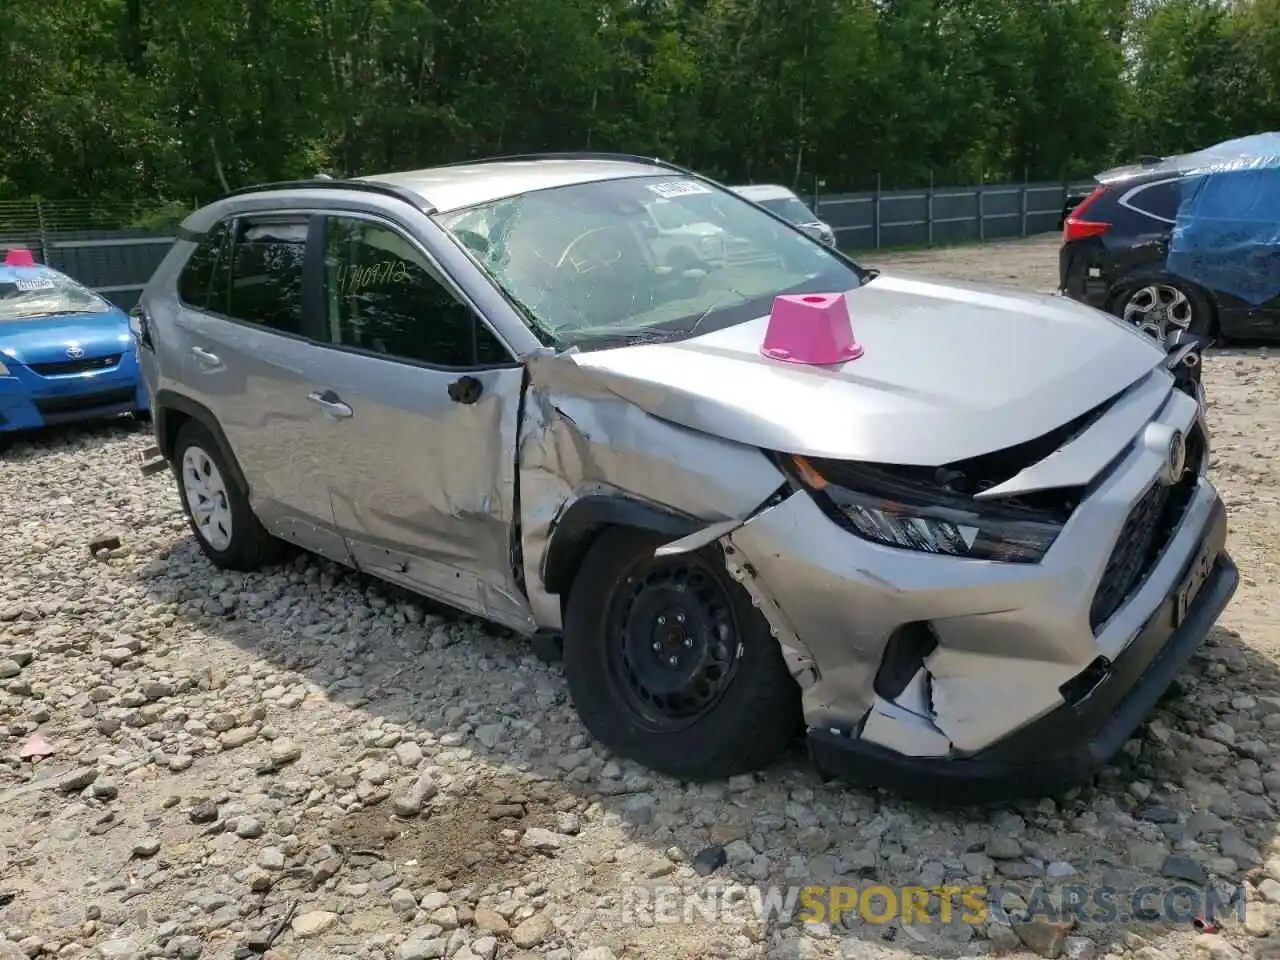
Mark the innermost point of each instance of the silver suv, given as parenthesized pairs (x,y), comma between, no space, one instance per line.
(959,535)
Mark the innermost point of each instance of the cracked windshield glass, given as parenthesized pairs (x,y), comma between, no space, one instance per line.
(35,294)
(643,258)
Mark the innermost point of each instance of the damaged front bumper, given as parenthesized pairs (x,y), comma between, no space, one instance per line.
(969,680)
(1072,741)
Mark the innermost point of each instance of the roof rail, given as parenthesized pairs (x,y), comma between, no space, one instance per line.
(367,186)
(572,155)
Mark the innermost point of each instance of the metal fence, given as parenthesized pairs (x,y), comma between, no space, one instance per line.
(944,215)
(87,242)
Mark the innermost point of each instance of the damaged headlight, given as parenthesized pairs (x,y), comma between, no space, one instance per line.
(895,515)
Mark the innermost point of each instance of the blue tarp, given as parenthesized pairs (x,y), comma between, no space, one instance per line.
(1227,234)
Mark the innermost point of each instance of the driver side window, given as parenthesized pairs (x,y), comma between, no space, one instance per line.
(382,297)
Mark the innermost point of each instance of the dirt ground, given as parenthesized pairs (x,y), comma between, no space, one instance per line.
(300,764)
(1026,264)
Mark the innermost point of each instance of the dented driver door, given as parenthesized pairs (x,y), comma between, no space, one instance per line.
(421,402)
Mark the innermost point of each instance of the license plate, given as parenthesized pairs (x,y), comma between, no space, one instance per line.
(1195,577)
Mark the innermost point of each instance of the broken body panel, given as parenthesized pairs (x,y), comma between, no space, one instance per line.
(686,427)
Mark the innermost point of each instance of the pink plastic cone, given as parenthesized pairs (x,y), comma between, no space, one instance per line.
(812,328)
(17,257)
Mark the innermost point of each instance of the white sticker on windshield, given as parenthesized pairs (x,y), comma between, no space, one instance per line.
(38,283)
(677,188)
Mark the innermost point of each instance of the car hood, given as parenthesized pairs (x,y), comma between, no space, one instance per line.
(950,371)
(46,340)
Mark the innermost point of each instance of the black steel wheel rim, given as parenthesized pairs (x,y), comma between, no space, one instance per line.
(674,644)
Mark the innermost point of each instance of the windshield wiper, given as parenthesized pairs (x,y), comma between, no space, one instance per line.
(59,313)
(716,304)
(633,339)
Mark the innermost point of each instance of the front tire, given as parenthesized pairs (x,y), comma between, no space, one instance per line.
(669,664)
(219,513)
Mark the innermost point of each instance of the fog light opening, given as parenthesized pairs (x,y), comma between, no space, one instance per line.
(1080,687)
(904,656)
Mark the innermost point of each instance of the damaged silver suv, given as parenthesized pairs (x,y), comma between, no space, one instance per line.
(974,549)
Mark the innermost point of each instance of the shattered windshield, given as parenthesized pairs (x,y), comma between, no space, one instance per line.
(31,293)
(593,263)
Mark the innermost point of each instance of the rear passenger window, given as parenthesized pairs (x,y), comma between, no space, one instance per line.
(264,283)
(196,277)
(381,295)
(1160,199)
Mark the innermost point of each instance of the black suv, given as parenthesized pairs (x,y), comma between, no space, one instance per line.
(1114,248)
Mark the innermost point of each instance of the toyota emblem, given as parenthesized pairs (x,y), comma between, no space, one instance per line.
(75,351)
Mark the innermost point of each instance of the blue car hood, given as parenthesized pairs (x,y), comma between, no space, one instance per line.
(46,340)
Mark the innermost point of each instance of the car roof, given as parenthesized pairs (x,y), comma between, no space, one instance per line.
(10,272)
(765,191)
(1256,147)
(440,189)
(1164,169)
(467,184)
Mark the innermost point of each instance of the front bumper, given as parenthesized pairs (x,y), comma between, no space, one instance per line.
(1032,679)
(30,401)
(1069,744)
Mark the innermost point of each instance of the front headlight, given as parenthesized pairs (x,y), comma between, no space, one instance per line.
(917,520)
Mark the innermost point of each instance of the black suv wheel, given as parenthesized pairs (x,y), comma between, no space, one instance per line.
(670,665)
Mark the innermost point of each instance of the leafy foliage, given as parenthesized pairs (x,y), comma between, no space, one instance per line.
(142,102)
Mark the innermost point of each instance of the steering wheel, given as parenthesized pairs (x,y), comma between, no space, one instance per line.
(589,262)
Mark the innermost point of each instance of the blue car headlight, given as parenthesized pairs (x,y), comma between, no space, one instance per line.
(902,515)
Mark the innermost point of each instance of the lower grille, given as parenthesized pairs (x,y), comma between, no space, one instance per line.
(65,368)
(1144,536)
(83,402)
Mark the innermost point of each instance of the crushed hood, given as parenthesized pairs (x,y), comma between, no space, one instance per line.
(950,371)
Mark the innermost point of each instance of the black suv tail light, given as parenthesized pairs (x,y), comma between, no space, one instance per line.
(1078,226)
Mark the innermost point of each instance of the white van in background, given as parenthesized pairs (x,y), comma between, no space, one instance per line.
(778,199)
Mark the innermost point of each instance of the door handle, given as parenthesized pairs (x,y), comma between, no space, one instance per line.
(204,356)
(331,404)
(465,390)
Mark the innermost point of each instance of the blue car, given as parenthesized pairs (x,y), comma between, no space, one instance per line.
(66,354)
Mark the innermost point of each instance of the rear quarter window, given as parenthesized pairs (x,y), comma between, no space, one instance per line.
(1159,200)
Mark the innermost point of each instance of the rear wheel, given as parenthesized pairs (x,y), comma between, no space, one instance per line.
(218,511)
(1163,308)
(670,665)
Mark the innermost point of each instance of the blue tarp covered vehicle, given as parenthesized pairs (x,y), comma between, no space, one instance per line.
(1226,235)
(1184,244)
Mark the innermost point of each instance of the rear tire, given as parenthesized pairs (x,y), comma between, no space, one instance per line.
(669,664)
(219,513)
(1163,306)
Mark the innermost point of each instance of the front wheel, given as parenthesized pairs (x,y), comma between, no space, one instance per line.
(1163,308)
(670,665)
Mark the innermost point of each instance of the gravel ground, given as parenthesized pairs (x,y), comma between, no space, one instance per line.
(306,764)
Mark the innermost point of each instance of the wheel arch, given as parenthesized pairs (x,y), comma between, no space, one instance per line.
(171,410)
(588,517)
